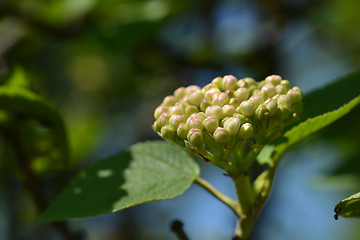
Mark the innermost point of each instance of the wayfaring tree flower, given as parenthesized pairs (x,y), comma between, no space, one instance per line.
(227,118)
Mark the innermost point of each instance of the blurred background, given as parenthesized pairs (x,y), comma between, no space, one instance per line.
(107,64)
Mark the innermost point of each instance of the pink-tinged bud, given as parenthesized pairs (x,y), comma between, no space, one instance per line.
(196,97)
(182,131)
(194,122)
(211,123)
(284,100)
(271,105)
(169,101)
(242,94)
(234,102)
(221,135)
(281,89)
(185,99)
(175,120)
(190,109)
(210,93)
(159,110)
(204,104)
(220,99)
(284,112)
(192,88)
(257,99)
(228,110)
(180,93)
(269,89)
(200,115)
(164,119)
(294,96)
(232,125)
(168,132)
(242,84)
(215,111)
(207,87)
(217,82)
(229,82)
(276,97)
(195,137)
(273,79)
(247,131)
(247,108)
(240,116)
(286,83)
(176,110)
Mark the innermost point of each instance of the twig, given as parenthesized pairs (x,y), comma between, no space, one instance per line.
(177,228)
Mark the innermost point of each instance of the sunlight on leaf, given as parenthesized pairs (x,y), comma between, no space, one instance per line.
(349,207)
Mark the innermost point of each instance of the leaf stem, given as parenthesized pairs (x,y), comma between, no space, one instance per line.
(231,203)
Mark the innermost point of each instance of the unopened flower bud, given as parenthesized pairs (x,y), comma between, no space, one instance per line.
(281,89)
(204,104)
(232,125)
(284,100)
(261,113)
(229,82)
(210,93)
(240,116)
(215,111)
(286,83)
(246,131)
(211,123)
(168,132)
(195,137)
(217,82)
(190,109)
(234,102)
(156,126)
(249,81)
(269,89)
(175,120)
(194,122)
(247,108)
(221,135)
(242,94)
(207,87)
(180,93)
(192,88)
(159,110)
(257,99)
(271,105)
(294,96)
(228,110)
(169,101)
(273,79)
(284,112)
(196,97)
(220,99)
(182,131)
(242,84)
(176,110)
(164,119)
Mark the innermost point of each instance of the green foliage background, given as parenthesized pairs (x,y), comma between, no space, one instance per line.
(105,65)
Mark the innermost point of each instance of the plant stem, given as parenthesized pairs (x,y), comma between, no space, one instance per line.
(234,206)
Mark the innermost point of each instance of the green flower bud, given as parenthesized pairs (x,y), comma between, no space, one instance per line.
(192,88)
(217,82)
(249,81)
(271,105)
(207,87)
(168,132)
(159,110)
(190,109)
(195,137)
(194,122)
(247,131)
(234,102)
(281,89)
(175,120)
(211,123)
(247,108)
(180,93)
(182,131)
(169,101)
(228,110)
(261,113)
(176,110)
(164,119)
(200,115)
(242,94)
(220,99)
(295,96)
(242,84)
(210,93)
(221,135)
(229,82)
(284,112)
(156,126)
(215,111)
(284,100)
(204,104)
(273,79)
(232,125)
(196,97)
(240,116)
(286,83)
(257,99)
(269,89)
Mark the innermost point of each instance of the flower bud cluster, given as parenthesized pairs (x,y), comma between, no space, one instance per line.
(228,112)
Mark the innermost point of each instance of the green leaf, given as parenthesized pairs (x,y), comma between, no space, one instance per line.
(349,207)
(24,103)
(149,171)
(314,124)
